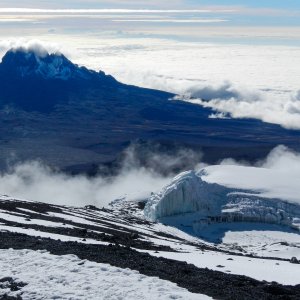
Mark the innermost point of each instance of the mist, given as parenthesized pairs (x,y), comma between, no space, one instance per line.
(144,169)
(278,175)
(35,181)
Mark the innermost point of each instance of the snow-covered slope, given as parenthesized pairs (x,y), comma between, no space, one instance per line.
(121,238)
(213,195)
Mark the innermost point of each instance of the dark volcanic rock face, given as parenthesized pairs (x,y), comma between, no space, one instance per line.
(50,106)
(10,284)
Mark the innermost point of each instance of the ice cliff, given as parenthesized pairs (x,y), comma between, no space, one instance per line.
(206,202)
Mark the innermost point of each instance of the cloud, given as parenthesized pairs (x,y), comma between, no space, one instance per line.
(258,85)
(35,181)
(109,11)
(268,11)
(282,158)
(239,102)
(225,91)
(160,158)
(269,94)
(173,20)
(15,20)
(34,45)
(143,170)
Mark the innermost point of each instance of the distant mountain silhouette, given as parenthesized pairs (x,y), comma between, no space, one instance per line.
(39,82)
(68,115)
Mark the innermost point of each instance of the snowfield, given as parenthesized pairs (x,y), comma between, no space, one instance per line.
(67,277)
(261,269)
(264,182)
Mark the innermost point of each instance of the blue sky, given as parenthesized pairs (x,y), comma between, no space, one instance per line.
(248,13)
(251,3)
(264,21)
(285,4)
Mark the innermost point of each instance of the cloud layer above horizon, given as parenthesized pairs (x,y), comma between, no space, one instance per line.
(227,78)
(253,13)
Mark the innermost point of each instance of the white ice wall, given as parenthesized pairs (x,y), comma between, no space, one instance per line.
(189,193)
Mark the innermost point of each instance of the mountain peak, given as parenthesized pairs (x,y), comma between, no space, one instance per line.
(44,80)
(23,63)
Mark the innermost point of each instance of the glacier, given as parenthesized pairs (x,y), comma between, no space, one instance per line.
(193,196)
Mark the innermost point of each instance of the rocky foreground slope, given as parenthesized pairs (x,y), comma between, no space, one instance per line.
(120,236)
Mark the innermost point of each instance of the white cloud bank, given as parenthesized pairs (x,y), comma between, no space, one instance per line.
(238,81)
(238,102)
(263,81)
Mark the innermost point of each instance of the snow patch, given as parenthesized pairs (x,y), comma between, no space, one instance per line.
(261,269)
(65,277)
